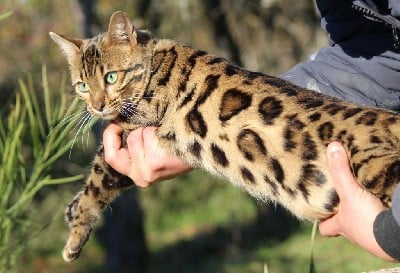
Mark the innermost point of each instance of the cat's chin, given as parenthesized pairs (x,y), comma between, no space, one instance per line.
(108,116)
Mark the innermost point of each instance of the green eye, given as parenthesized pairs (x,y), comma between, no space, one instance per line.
(111,77)
(83,87)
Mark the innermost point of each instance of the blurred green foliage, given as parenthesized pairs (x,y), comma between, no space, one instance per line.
(31,140)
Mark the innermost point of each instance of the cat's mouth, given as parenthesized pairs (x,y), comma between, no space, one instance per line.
(105,114)
(109,116)
(124,113)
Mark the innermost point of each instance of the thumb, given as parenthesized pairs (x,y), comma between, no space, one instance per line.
(340,171)
(330,227)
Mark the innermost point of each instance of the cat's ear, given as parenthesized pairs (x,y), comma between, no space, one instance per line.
(70,47)
(120,29)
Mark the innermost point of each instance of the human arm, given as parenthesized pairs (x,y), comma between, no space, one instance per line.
(361,63)
(358,208)
(143,160)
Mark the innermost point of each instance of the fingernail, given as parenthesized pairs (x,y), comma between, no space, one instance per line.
(334,147)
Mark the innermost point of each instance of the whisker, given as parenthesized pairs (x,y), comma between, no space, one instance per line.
(127,106)
(88,128)
(129,112)
(92,121)
(82,115)
(80,124)
(68,119)
(85,127)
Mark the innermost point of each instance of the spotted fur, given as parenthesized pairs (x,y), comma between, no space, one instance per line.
(261,133)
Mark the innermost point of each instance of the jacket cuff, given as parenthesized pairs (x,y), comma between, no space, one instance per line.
(387,233)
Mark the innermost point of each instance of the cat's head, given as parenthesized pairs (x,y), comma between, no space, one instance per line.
(112,70)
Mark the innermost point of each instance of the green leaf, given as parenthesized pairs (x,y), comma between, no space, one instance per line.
(6,15)
(46,93)
(313,234)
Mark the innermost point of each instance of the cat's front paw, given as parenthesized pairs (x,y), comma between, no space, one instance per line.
(81,217)
(102,187)
(77,239)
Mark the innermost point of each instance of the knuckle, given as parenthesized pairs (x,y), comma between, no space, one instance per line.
(130,140)
(140,181)
(144,184)
(152,172)
(148,176)
(109,157)
(140,177)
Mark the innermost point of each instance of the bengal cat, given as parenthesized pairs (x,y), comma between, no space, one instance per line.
(261,133)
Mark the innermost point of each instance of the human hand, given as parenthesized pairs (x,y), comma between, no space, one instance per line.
(357,208)
(143,160)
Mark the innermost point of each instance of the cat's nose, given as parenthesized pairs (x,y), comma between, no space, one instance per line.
(99,106)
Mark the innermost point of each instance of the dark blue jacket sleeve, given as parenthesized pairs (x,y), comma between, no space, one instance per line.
(387,228)
(358,24)
(362,63)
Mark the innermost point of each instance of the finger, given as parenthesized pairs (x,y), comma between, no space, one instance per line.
(136,144)
(339,169)
(329,227)
(138,166)
(165,161)
(112,136)
(114,153)
(151,145)
(149,136)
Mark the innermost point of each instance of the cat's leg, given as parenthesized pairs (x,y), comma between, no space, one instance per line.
(102,186)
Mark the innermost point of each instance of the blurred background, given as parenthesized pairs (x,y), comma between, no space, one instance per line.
(194,223)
